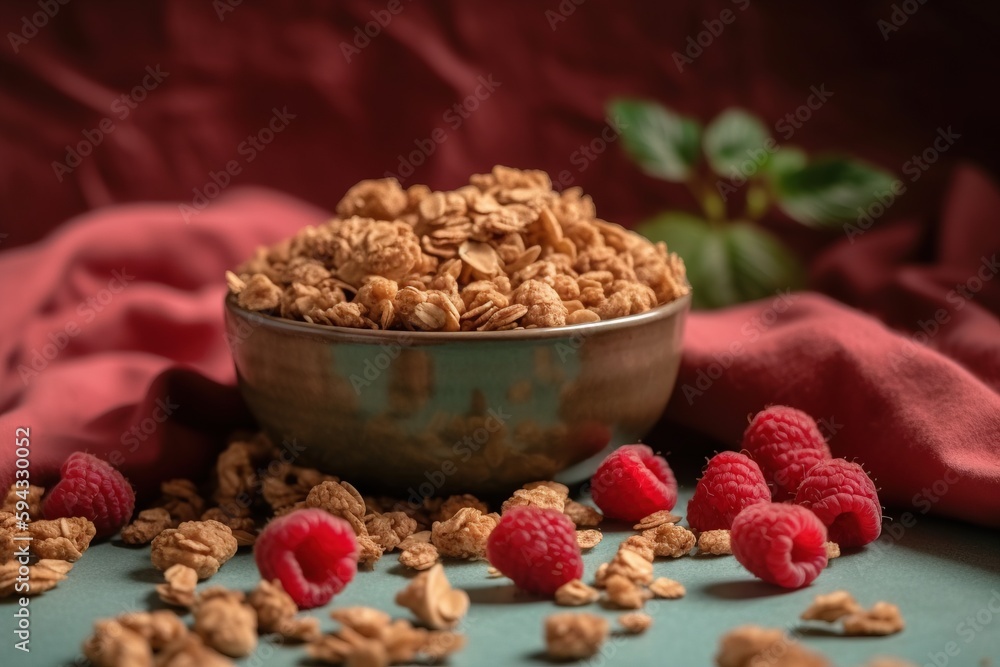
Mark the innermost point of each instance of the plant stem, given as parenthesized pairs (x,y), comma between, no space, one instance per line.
(711,203)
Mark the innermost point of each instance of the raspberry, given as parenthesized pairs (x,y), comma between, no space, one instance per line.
(91,488)
(731,482)
(313,553)
(632,483)
(780,543)
(536,548)
(845,500)
(785,443)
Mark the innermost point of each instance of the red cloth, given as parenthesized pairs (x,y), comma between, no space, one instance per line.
(912,412)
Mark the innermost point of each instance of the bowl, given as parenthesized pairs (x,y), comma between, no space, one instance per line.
(419,414)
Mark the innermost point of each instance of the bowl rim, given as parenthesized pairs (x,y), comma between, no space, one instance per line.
(325,331)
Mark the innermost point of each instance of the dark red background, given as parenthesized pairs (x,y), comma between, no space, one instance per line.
(353,119)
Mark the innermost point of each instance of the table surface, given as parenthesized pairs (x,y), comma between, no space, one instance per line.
(945,577)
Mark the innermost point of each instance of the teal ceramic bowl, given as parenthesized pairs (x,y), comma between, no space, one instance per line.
(416,414)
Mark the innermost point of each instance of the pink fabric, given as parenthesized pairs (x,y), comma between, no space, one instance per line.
(913,411)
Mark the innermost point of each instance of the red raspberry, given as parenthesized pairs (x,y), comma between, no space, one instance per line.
(313,553)
(785,443)
(780,543)
(632,483)
(845,500)
(536,548)
(731,482)
(91,488)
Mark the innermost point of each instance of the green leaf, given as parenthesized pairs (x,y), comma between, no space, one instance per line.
(663,143)
(830,191)
(729,263)
(785,160)
(734,137)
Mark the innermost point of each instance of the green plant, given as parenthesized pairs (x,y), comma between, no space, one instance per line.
(730,258)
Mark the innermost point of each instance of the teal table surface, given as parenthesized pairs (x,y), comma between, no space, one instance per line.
(945,577)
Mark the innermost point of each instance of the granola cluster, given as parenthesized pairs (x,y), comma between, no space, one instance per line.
(883,618)
(504,252)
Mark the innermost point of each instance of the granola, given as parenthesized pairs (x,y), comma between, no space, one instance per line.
(463,535)
(42,576)
(61,539)
(588,539)
(277,612)
(831,607)
(147,525)
(582,515)
(667,589)
(201,545)
(575,593)
(225,622)
(432,599)
(882,619)
(635,623)
(179,589)
(504,252)
(670,540)
(715,542)
(419,556)
(574,636)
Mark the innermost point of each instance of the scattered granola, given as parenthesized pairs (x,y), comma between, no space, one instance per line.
(588,539)
(419,556)
(179,589)
(452,504)
(419,537)
(225,622)
(574,636)
(575,593)
(42,576)
(366,621)
(751,645)
(503,252)
(667,589)
(181,499)
(715,542)
(635,623)
(147,525)
(831,607)
(201,545)
(112,645)
(632,566)
(670,540)
(464,535)
(539,496)
(832,550)
(640,545)
(30,497)
(882,619)
(656,519)
(432,599)
(340,499)
(187,651)
(157,628)
(624,593)
(277,612)
(582,515)
(61,539)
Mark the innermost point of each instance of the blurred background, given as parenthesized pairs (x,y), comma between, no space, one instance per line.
(113,102)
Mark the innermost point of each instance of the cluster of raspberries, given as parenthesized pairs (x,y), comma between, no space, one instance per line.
(782,498)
